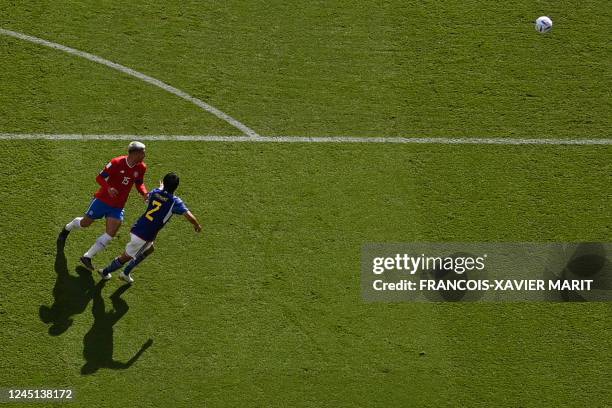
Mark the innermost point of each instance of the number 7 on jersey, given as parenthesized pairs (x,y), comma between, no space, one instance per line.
(156,207)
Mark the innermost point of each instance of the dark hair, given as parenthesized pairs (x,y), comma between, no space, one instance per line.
(171,182)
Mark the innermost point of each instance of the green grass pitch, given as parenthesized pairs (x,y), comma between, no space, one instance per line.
(263,308)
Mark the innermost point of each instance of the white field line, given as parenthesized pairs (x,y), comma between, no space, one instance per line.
(318,139)
(251,135)
(156,82)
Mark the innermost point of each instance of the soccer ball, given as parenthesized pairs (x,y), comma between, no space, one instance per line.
(543,24)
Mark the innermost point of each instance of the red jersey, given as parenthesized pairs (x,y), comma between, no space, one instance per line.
(119,175)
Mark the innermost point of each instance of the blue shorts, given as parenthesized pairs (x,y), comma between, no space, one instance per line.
(98,209)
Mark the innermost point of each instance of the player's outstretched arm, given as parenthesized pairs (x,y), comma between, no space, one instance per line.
(194,221)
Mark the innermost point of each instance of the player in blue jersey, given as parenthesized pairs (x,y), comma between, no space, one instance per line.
(162,204)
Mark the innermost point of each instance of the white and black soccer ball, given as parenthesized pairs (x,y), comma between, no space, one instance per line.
(543,24)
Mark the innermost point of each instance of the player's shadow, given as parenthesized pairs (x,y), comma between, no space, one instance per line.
(71,295)
(589,261)
(98,342)
(581,261)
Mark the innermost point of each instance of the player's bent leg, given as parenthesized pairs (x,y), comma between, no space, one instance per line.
(112,226)
(136,249)
(85,222)
(114,217)
(114,265)
(101,243)
(77,223)
(74,224)
(134,262)
(95,211)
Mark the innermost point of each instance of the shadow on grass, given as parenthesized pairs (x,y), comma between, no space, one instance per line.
(98,342)
(589,262)
(71,295)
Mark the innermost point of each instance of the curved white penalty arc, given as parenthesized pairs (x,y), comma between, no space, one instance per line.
(150,80)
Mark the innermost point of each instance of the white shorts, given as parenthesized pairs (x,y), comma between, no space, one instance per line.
(137,246)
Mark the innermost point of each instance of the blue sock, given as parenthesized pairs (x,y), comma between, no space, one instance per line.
(113,266)
(129,267)
(132,264)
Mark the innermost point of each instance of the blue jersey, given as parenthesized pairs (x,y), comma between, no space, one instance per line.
(159,210)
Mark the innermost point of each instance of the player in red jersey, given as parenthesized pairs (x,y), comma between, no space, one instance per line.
(116,181)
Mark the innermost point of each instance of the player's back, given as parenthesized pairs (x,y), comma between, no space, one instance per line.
(161,206)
